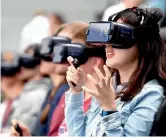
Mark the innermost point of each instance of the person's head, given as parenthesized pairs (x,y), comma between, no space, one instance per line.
(46,65)
(10,70)
(30,62)
(76,31)
(55,20)
(147,56)
(28,74)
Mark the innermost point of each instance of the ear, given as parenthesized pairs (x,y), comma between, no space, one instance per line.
(97,61)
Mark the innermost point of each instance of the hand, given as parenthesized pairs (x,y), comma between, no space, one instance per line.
(104,92)
(76,76)
(24,129)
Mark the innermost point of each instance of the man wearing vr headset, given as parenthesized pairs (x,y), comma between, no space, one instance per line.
(87,66)
(27,107)
(127,98)
(11,86)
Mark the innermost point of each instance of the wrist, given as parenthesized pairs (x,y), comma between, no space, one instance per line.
(112,107)
(75,90)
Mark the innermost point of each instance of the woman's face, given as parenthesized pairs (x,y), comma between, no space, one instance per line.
(118,58)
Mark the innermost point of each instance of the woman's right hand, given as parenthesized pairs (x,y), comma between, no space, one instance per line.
(74,76)
(24,129)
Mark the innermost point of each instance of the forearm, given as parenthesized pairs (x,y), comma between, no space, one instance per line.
(75,118)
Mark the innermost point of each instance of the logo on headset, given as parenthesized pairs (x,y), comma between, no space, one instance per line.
(105,31)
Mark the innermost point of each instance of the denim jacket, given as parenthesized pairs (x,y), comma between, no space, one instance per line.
(133,118)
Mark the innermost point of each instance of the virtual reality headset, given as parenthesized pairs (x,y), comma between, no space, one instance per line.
(49,43)
(78,51)
(29,61)
(119,35)
(10,68)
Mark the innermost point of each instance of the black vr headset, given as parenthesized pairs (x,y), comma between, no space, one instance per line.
(119,35)
(78,51)
(10,68)
(29,61)
(48,45)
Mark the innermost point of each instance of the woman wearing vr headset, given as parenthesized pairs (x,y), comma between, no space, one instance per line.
(127,98)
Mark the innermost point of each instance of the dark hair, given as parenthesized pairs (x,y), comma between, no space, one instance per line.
(34,50)
(152,52)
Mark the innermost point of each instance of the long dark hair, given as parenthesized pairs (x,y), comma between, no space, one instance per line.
(152,51)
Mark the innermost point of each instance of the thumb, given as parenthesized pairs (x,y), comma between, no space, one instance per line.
(70,60)
(24,129)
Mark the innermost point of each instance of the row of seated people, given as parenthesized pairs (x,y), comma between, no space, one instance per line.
(51,119)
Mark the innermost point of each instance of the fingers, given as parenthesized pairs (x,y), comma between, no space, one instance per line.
(107,82)
(107,71)
(98,72)
(23,127)
(111,84)
(71,79)
(76,77)
(14,132)
(70,60)
(103,84)
(89,91)
(14,122)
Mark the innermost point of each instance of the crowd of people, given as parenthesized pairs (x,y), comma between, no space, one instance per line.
(69,79)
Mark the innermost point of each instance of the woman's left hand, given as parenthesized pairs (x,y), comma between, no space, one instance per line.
(104,92)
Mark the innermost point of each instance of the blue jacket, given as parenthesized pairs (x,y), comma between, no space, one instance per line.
(133,118)
(42,129)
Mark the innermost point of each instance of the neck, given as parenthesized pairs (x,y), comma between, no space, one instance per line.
(14,90)
(57,79)
(127,71)
(37,75)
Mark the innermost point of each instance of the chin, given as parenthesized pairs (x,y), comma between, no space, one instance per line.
(112,65)
(109,64)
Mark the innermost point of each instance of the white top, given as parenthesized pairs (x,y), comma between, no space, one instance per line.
(34,32)
(112,10)
(3,106)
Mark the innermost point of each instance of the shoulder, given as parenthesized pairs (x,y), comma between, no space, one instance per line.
(152,87)
(151,93)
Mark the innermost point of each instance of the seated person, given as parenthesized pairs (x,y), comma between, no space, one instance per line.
(11,86)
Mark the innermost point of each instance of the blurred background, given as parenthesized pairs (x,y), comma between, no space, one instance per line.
(17,13)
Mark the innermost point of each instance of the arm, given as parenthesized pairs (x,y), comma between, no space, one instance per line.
(75,117)
(140,120)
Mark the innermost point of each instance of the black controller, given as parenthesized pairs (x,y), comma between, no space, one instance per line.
(76,65)
(18,129)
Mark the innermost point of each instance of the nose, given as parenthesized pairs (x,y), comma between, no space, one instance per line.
(108,48)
